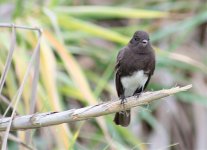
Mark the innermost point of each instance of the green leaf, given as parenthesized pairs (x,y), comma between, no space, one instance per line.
(109,12)
(68,22)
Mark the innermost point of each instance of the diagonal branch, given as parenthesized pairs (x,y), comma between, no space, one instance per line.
(55,118)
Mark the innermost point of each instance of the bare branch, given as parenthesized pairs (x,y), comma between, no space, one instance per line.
(55,118)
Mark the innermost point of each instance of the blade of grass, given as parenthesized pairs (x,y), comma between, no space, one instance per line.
(104,79)
(75,136)
(11,87)
(132,139)
(77,75)
(109,12)
(67,88)
(19,93)
(34,90)
(182,26)
(68,22)
(9,58)
(48,76)
(49,91)
(52,99)
(7,66)
(7,102)
(182,58)
(35,81)
(6,134)
(189,61)
(72,92)
(72,68)
(21,58)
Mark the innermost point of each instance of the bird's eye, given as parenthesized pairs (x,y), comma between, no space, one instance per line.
(136,38)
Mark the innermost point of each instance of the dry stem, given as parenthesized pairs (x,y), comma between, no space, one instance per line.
(54,118)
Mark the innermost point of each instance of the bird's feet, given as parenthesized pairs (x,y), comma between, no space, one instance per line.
(137,95)
(123,100)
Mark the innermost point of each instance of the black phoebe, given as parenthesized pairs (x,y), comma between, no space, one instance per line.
(134,66)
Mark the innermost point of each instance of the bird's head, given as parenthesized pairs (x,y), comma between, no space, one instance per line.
(140,40)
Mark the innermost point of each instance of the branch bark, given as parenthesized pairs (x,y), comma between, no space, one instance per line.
(54,118)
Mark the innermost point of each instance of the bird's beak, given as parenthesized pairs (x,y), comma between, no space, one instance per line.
(144,42)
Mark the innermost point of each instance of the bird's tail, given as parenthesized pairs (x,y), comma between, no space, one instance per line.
(122,118)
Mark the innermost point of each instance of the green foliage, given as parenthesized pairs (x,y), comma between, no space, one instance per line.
(78,51)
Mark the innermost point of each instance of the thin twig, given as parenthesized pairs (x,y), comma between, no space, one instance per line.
(34,84)
(20,90)
(8,59)
(3,77)
(55,118)
(5,100)
(7,25)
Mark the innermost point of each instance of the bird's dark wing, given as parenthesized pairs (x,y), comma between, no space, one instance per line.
(119,87)
(151,68)
(118,59)
(147,82)
(152,63)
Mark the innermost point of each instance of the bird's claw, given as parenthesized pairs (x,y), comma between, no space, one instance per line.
(137,95)
(123,101)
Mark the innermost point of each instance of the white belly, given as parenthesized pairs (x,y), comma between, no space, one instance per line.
(131,83)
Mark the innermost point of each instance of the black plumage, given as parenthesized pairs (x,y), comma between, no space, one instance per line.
(134,67)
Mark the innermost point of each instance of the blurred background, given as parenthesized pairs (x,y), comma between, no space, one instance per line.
(77,57)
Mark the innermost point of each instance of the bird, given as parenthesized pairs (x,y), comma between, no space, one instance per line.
(134,67)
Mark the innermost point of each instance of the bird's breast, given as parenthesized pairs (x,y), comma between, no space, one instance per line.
(132,82)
